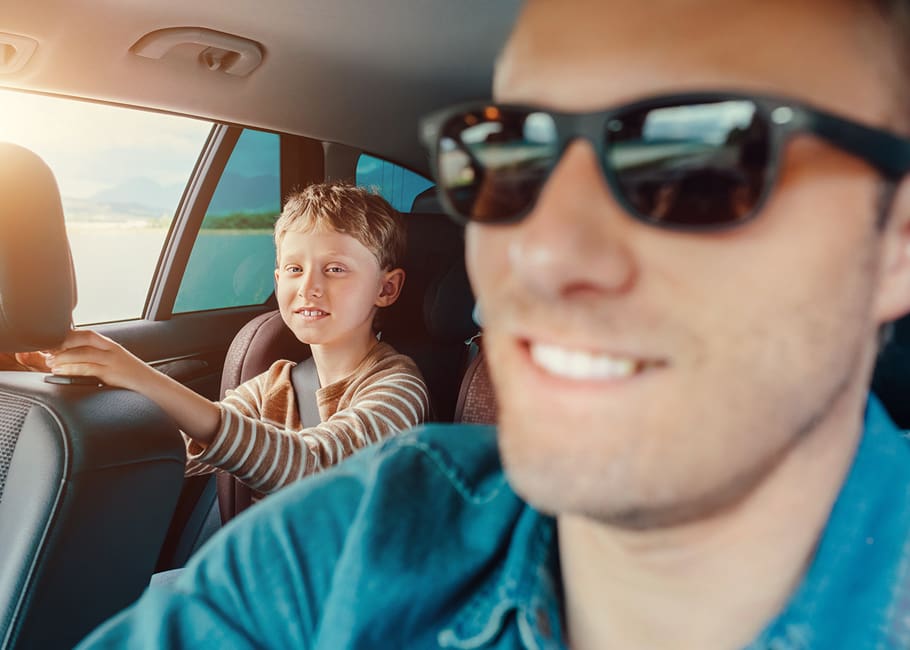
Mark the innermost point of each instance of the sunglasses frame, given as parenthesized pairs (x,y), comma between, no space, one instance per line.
(885,151)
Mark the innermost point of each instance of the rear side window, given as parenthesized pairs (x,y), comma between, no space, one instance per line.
(397,185)
(233,260)
(121,173)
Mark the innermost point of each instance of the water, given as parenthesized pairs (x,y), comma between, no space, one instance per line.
(114,266)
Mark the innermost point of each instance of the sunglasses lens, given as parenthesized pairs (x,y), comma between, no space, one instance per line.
(696,165)
(492,162)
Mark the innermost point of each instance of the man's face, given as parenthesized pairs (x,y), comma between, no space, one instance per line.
(646,376)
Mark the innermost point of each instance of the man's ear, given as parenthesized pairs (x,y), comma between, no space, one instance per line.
(392,282)
(893,299)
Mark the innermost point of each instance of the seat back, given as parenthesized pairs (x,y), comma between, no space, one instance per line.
(429,322)
(476,398)
(88,476)
(257,345)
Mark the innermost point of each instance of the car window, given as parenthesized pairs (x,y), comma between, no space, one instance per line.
(397,185)
(233,259)
(121,173)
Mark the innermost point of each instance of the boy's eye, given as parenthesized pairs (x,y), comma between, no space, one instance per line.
(335,269)
(293,268)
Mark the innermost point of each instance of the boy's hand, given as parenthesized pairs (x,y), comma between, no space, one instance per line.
(23,361)
(34,361)
(85,352)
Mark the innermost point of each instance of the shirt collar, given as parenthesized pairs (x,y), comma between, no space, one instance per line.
(858,582)
(856,593)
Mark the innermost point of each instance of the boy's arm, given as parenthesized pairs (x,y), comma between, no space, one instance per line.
(85,352)
(267,457)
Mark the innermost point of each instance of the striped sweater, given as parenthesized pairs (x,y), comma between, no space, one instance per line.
(261,440)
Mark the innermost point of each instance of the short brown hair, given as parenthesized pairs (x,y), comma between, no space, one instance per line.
(349,209)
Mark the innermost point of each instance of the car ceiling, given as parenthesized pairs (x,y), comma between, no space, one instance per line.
(359,72)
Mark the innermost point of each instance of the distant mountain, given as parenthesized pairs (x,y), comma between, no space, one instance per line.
(77,209)
(142,198)
(238,193)
(142,194)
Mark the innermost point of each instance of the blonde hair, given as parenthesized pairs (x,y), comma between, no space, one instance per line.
(348,209)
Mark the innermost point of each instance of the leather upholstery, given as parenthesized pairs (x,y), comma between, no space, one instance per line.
(91,479)
(89,476)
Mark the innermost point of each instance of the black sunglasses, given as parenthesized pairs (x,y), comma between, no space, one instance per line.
(694,162)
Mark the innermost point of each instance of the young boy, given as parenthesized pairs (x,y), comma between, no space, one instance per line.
(339,248)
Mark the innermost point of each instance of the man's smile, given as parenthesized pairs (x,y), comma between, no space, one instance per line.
(586,365)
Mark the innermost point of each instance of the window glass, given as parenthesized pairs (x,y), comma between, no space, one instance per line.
(121,173)
(233,260)
(397,185)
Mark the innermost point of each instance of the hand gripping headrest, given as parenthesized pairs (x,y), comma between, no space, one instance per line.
(37,291)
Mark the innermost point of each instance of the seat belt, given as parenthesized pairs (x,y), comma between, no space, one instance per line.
(233,496)
(305,381)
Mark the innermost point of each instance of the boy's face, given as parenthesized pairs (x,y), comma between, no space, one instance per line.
(329,285)
(736,345)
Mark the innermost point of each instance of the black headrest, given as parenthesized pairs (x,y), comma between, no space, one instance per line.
(436,288)
(427,202)
(37,294)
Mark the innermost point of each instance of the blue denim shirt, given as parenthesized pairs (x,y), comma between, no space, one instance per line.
(420,543)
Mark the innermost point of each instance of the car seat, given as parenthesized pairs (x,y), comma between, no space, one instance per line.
(476,399)
(89,475)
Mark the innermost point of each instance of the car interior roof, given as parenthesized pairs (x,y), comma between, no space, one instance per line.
(348,71)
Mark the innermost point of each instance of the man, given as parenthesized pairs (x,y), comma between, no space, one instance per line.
(682,317)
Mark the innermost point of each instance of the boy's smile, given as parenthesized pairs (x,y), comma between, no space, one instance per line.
(311,315)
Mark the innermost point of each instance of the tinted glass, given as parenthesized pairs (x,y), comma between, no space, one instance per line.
(690,165)
(397,185)
(493,164)
(233,260)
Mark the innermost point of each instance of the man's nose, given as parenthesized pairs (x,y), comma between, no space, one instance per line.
(576,239)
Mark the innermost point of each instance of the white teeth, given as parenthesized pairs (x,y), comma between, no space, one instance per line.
(575,364)
(311,313)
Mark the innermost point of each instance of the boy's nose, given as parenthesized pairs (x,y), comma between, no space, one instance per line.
(309,287)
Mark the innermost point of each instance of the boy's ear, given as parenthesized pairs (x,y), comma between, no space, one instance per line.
(893,298)
(392,282)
